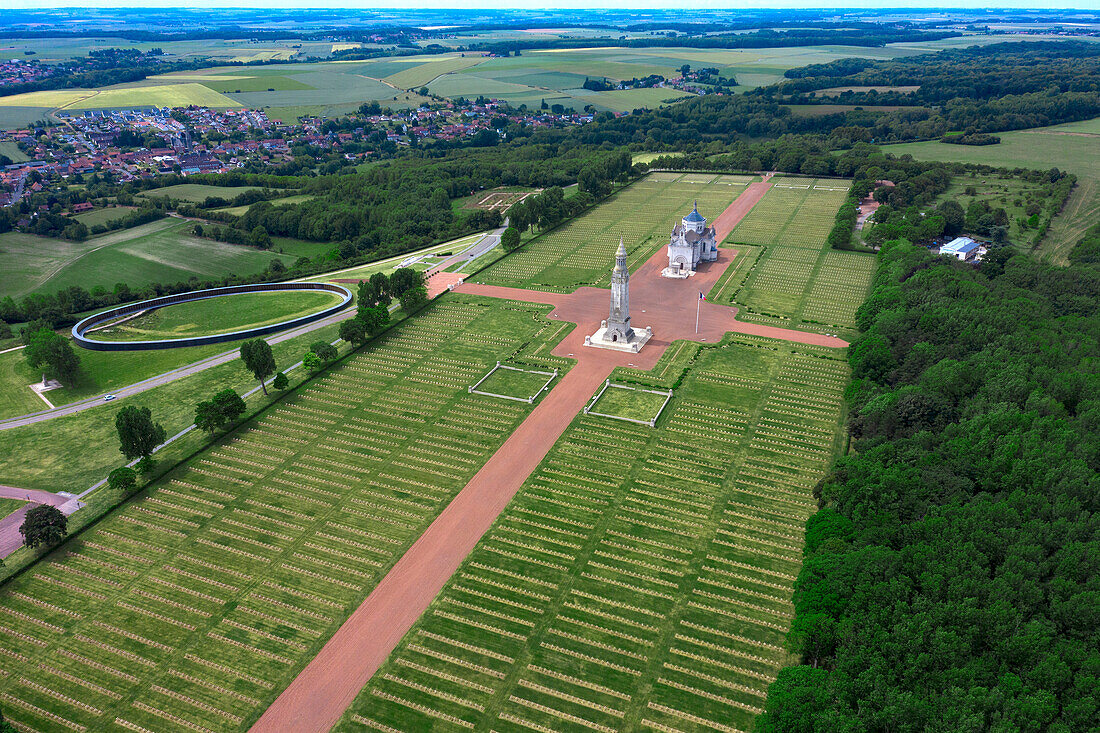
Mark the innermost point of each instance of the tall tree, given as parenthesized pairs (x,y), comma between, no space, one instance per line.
(43,525)
(52,351)
(404,278)
(510,239)
(323,349)
(138,435)
(258,359)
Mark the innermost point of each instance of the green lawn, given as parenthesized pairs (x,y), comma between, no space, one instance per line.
(513,383)
(629,403)
(1072,147)
(238,210)
(642,577)
(16,397)
(218,315)
(202,598)
(11,149)
(7,506)
(101,216)
(161,251)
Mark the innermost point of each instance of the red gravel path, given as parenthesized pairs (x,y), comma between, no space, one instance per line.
(318,696)
(10,539)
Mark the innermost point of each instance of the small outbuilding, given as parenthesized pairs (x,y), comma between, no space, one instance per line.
(964,248)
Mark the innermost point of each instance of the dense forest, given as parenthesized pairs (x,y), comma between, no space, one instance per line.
(1004,86)
(951,578)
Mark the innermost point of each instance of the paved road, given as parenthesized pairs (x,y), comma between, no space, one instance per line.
(479,248)
(10,538)
(472,252)
(167,377)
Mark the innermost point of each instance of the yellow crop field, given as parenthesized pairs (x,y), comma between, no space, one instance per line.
(164,95)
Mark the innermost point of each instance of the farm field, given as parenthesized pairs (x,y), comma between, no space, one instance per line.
(642,578)
(11,149)
(578,252)
(161,251)
(218,315)
(788,275)
(196,603)
(102,216)
(196,193)
(160,95)
(1070,147)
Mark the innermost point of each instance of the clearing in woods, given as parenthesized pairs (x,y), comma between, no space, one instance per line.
(195,604)
(1072,147)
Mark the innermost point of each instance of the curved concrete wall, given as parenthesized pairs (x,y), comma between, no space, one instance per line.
(109,315)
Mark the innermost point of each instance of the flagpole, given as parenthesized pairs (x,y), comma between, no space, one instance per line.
(698,305)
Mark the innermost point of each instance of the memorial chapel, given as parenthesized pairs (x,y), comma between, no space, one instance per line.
(692,242)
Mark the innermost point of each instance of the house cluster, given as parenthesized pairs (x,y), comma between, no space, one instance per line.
(19,71)
(127,145)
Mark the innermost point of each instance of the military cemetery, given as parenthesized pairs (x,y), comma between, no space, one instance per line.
(515,368)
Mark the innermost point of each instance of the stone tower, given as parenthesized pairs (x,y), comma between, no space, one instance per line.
(618,323)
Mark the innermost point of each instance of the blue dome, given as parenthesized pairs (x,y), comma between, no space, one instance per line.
(694,216)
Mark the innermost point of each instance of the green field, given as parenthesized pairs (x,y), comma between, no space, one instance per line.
(218,315)
(101,216)
(642,578)
(628,403)
(1072,147)
(201,599)
(140,95)
(788,276)
(286,201)
(11,149)
(7,506)
(581,252)
(519,383)
(161,251)
(388,265)
(196,193)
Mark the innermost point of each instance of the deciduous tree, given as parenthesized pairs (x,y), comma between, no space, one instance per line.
(43,525)
(138,435)
(258,359)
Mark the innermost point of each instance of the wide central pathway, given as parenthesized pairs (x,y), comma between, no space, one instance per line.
(317,698)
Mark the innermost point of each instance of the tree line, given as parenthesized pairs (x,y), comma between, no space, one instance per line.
(950,575)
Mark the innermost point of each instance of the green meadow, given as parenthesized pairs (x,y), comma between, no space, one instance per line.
(161,251)
(1074,147)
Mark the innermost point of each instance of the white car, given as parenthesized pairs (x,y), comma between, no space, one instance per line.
(108,397)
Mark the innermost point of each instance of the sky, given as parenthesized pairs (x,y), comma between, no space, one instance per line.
(563,4)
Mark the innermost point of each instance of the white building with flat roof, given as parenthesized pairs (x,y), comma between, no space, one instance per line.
(963,248)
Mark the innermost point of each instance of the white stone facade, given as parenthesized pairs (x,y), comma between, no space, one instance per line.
(692,242)
(616,332)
